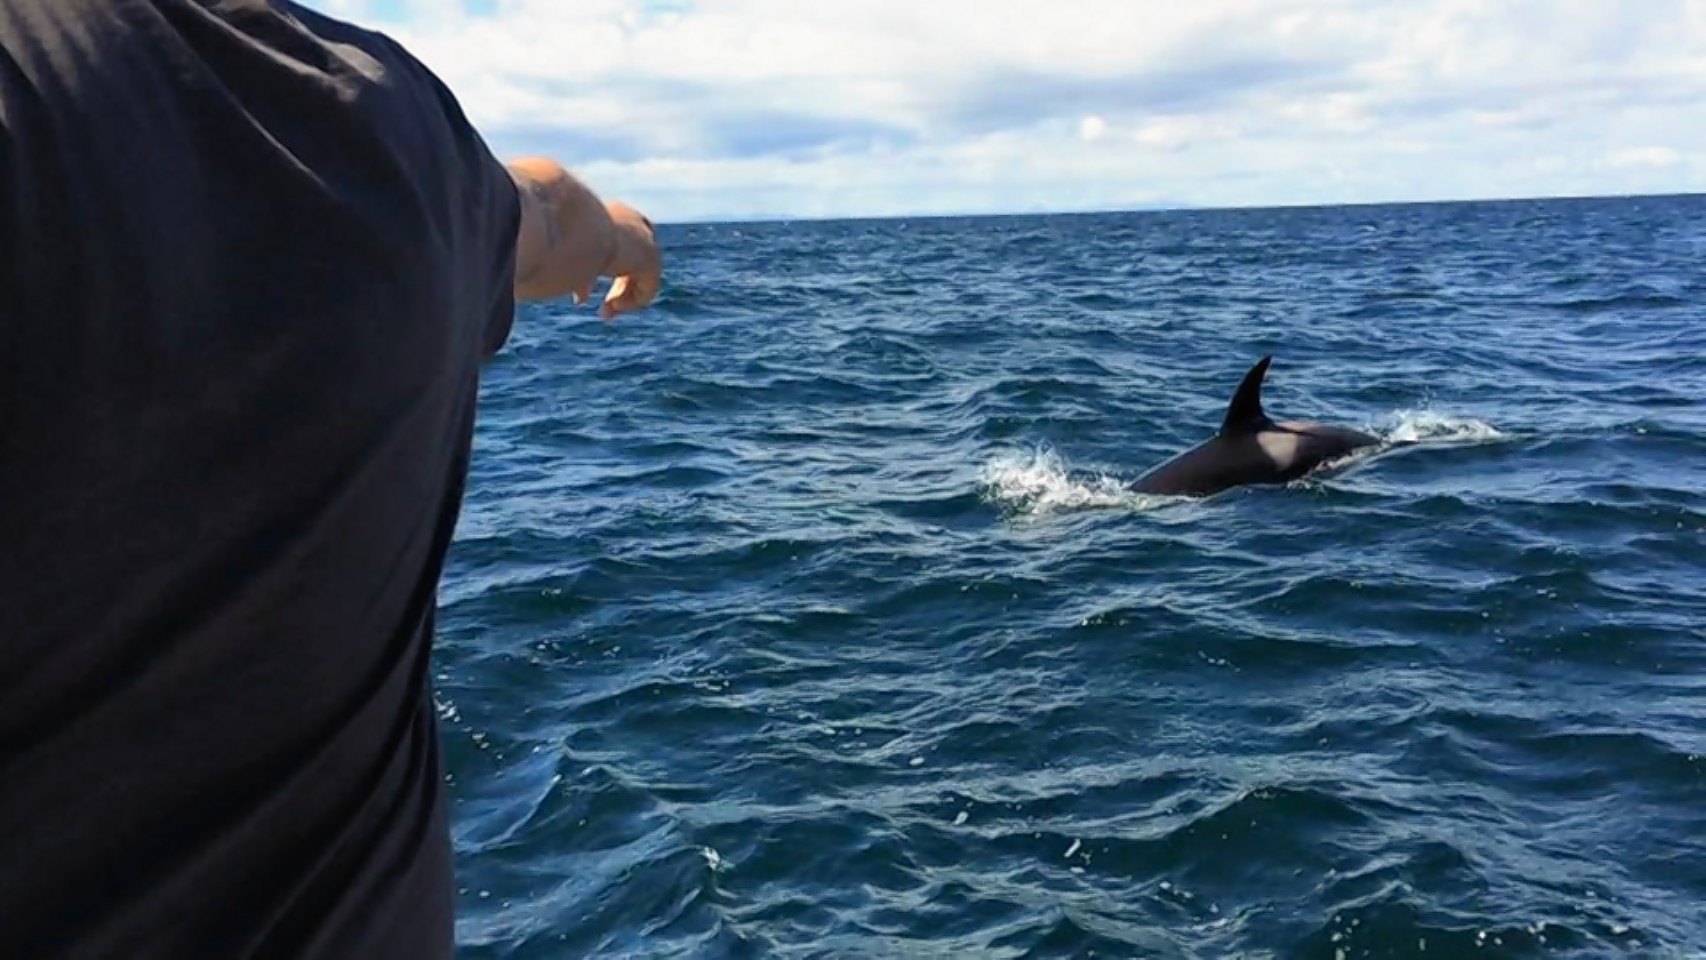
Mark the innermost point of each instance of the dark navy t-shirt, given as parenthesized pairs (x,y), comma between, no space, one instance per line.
(251,261)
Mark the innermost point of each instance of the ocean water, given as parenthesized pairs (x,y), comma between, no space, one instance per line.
(811,614)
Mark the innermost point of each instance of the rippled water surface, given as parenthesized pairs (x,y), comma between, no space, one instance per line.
(811,614)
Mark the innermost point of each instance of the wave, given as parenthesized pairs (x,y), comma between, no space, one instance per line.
(1430,426)
(823,616)
(1039,483)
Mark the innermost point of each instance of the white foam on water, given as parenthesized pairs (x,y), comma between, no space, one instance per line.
(1430,426)
(1039,483)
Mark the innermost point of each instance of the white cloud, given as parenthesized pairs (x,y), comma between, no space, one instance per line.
(711,108)
(1656,157)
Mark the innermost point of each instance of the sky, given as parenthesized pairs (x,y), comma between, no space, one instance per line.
(699,110)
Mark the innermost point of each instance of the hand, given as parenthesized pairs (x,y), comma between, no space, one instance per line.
(635,262)
(569,238)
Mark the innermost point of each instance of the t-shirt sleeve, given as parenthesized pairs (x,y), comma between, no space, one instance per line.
(489,211)
(501,199)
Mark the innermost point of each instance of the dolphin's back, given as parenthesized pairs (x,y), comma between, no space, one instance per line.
(1208,468)
(1299,446)
(1251,448)
(1279,454)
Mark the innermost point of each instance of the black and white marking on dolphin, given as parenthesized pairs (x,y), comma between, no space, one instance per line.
(1251,448)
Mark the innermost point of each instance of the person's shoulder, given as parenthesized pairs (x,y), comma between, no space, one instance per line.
(335,29)
(400,67)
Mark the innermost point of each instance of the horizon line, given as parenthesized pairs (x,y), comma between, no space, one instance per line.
(1180,207)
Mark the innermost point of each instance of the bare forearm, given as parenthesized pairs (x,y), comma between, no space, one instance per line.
(566,239)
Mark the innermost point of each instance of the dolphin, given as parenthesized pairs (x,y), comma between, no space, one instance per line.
(1250,448)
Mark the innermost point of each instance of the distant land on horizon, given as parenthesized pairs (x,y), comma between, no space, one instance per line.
(759,219)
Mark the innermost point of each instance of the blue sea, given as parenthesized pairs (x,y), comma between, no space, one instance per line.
(811,613)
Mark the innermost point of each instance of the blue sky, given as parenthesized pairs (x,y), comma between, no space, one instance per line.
(726,109)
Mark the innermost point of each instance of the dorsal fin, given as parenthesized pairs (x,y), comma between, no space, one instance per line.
(1245,414)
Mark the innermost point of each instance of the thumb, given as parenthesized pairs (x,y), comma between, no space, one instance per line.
(617,299)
